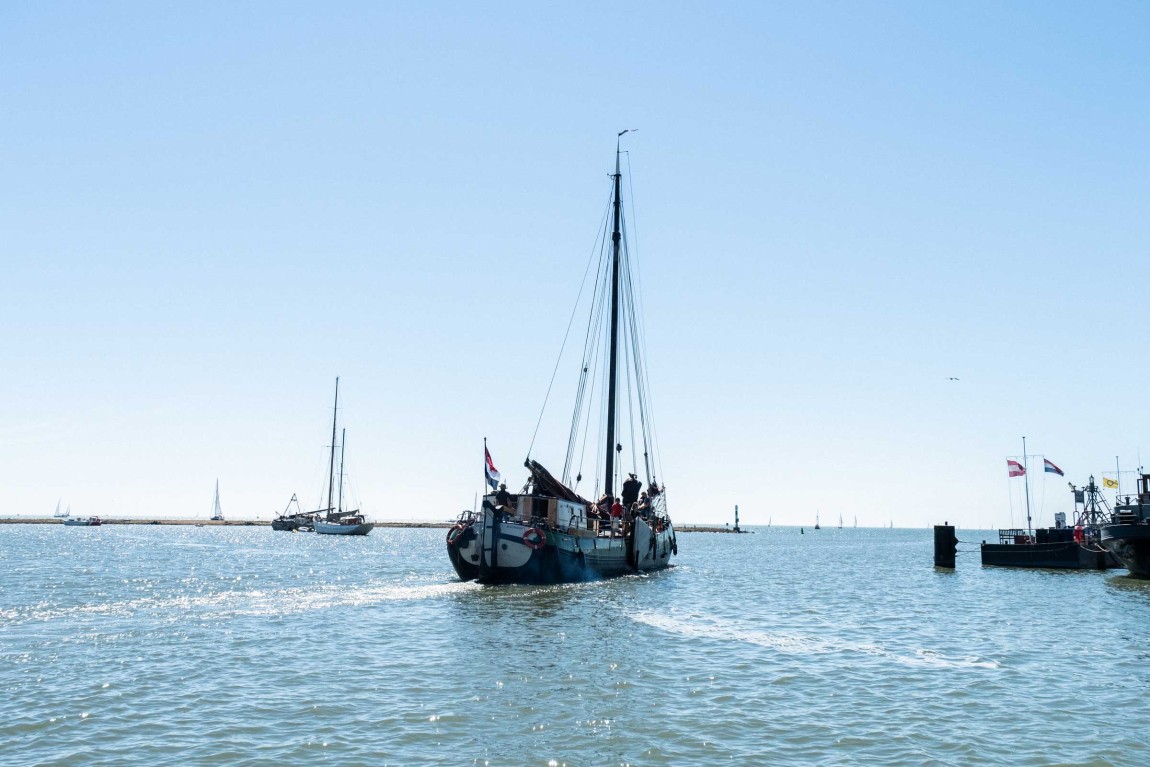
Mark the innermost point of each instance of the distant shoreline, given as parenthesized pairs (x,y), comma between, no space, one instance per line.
(265,523)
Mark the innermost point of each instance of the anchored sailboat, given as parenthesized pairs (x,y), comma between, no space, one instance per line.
(551,533)
(334,520)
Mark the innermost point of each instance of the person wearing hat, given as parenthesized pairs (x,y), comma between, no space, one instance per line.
(631,490)
(503,499)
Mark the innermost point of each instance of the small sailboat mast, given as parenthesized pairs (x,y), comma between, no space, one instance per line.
(331,466)
(342,445)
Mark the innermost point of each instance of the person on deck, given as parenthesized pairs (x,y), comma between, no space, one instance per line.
(617,509)
(631,490)
(504,500)
(644,507)
(604,505)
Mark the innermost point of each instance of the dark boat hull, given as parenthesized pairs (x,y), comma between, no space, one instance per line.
(1061,555)
(293,524)
(1130,543)
(563,558)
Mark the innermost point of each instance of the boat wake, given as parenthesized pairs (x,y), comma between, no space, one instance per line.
(800,644)
(235,603)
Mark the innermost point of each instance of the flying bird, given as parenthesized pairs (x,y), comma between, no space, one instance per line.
(952,378)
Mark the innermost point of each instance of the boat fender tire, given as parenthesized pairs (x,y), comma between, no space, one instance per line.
(454,533)
(534,538)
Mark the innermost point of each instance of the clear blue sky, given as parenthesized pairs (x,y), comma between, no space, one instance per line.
(208,212)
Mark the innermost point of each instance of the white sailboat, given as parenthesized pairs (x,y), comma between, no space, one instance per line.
(62,514)
(551,533)
(335,520)
(217,512)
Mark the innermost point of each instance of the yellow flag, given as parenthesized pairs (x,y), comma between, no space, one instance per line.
(1110,483)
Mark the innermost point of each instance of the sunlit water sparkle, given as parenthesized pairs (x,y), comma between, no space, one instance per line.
(239,646)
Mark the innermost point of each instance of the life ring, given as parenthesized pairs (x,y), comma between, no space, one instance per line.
(534,538)
(454,533)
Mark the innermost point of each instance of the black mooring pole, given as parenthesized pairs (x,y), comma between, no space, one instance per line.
(945,546)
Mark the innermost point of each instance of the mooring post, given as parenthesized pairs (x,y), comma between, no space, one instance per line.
(945,545)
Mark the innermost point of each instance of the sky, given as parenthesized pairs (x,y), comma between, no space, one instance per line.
(208,212)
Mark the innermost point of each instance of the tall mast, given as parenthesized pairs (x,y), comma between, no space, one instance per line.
(612,375)
(331,468)
(1026,481)
(342,446)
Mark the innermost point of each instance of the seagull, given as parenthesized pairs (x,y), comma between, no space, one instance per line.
(952,378)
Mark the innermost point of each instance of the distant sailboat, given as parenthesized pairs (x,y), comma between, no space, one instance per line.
(334,520)
(217,512)
(817,527)
(840,521)
(856,521)
(62,514)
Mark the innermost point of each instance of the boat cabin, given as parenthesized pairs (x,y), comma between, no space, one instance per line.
(561,515)
(1135,508)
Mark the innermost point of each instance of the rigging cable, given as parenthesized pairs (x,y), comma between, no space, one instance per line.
(570,322)
(588,372)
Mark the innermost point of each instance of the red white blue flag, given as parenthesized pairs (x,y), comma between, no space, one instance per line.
(489,469)
(1014,468)
(1050,467)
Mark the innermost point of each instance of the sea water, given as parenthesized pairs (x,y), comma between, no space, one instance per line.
(131,645)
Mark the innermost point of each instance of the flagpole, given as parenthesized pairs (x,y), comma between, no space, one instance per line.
(1118,477)
(1026,478)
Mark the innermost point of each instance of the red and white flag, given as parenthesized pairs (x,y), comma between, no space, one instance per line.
(1014,468)
(489,470)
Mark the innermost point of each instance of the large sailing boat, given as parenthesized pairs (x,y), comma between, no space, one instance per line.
(550,532)
(335,520)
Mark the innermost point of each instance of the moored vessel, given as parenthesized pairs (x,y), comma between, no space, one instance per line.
(550,532)
(1127,535)
(80,522)
(335,520)
(1060,547)
(297,521)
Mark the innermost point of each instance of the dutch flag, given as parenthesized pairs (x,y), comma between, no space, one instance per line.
(489,469)
(1050,467)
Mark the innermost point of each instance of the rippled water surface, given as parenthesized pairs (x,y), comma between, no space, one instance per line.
(128,645)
